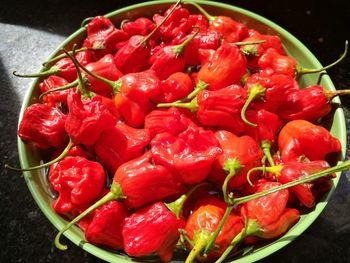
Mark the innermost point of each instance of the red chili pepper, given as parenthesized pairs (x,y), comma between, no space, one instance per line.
(102,34)
(43,125)
(106,225)
(301,138)
(177,86)
(106,68)
(134,54)
(311,103)
(78,182)
(190,154)
(119,144)
(282,64)
(271,89)
(254,52)
(218,108)
(292,171)
(205,55)
(268,216)
(203,222)
(153,229)
(136,93)
(231,30)
(226,67)
(198,20)
(239,155)
(171,121)
(265,132)
(142,181)
(141,26)
(176,24)
(87,119)
(55,97)
(169,59)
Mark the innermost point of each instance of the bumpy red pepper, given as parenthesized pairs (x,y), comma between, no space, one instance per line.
(106,224)
(106,68)
(267,91)
(190,154)
(203,222)
(176,24)
(217,108)
(177,86)
(119,144)
(169,59)
(55,97)
(291,171)
(171,121)
(44,126)
(240,154)
(254,52)
(311,103)
(265,133)
(141,26)
(231,30)
(227,66)
(101,33)
(87,119)
(135,96)
(300,138)
(78,182)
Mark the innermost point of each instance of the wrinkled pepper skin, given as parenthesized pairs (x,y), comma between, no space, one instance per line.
(308,104)
(177,86)
(189,155)
(254,52)
(226,67)
(143,182)
(231,30)
(141,26)
(78,182)
(177,23)
(244,149)
(295,170)
(278,63)
(56,97)
(136,93)
(170,120)
(133,56)
(87,119)
(152,229)
(106,68)
(102,33)
(221,108)
(106,225)
(205,218)
(269,213)
(277,88)
(44,126)
(268,125)
(300,138)
(119,144)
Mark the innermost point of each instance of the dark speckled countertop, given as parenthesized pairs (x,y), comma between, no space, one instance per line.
(31,30)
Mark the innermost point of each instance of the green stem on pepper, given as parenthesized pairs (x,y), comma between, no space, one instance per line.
(192,105)
(255,91)
(54,70)
(68,86)
(266,148)
(58,158)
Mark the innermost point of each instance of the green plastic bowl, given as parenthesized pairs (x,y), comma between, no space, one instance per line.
(29,156)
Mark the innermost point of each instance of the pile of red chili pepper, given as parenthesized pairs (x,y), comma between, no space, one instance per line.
(182,131)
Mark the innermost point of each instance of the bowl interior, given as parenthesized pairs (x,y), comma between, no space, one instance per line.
(29,156)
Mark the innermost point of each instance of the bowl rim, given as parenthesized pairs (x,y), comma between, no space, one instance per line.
(295,231)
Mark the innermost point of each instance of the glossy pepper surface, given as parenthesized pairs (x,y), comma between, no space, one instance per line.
(189,155)
(300,138)
(44,126)
(53,98)
(78,182)
(106,225)
(87,119)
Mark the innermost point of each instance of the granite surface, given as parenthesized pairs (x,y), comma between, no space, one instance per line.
(31,30)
